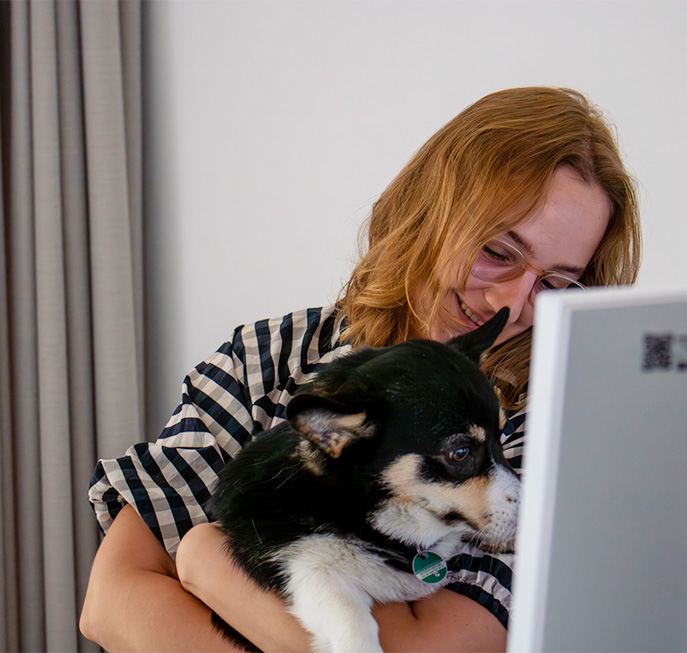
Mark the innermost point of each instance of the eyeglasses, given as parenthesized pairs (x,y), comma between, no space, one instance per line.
(499,261)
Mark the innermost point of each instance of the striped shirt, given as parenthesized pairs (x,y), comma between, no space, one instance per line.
(242,389)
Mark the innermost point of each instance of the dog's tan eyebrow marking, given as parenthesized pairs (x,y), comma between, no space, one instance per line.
(478,433)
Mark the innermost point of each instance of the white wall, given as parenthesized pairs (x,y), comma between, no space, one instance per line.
(272,126)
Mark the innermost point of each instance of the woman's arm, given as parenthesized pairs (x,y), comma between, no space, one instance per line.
(445,622)
(134,600)
(205,570)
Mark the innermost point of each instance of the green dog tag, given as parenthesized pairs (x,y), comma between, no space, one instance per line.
(429,567)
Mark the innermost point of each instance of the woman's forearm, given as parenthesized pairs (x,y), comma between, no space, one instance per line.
(445,622)
(134,601)
(205,570)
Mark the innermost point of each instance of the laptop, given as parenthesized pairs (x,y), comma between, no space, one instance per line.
(602,535)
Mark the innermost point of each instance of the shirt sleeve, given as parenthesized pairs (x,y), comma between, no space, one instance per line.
(485,577)
(170,480)
(241,389)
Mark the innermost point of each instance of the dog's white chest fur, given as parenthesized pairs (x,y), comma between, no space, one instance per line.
(333,584)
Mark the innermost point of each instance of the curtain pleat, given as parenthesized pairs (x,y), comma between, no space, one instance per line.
(75,218)
(71,378)
(9,586)
(23,360)
(54,441)
(111,237)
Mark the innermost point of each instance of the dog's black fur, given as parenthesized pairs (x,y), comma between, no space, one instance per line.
(388,451)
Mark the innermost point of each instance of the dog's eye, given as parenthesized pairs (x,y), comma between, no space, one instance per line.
(459,455)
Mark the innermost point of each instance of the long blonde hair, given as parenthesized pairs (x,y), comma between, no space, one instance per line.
(479,176)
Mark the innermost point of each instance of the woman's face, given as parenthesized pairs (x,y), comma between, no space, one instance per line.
(561,236)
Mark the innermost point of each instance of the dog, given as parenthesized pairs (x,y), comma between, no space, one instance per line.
(388,461)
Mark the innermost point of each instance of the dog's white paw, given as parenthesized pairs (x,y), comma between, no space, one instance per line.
(363,638)
(330,590)
(343,628)
(338,622)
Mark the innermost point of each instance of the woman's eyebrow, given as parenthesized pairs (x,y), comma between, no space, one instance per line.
(521,242)
(525,246)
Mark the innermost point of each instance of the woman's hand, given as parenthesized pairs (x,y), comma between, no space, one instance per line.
(134,600)
(444,622)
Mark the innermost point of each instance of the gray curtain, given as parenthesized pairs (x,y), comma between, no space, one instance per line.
(71,312)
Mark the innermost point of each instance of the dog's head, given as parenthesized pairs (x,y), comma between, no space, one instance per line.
(421,421)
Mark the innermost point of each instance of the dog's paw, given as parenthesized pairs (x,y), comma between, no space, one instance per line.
(353,642)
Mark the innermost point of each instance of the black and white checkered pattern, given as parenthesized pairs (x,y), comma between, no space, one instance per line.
(240,390)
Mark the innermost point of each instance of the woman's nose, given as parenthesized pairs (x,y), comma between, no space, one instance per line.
(516,294)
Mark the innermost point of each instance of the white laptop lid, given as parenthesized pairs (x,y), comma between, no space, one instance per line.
(602,537)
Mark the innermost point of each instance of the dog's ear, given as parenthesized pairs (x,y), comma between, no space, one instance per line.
(327,424)
(475,343)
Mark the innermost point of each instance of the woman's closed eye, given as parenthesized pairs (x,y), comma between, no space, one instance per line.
(499,256)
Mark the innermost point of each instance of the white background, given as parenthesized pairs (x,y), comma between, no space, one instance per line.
(271,127)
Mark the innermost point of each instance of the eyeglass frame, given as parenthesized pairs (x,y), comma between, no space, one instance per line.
(526,265)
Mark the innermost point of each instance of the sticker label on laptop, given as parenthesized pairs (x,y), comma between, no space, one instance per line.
(664,352)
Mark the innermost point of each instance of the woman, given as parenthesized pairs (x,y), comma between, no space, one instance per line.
(524,190)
